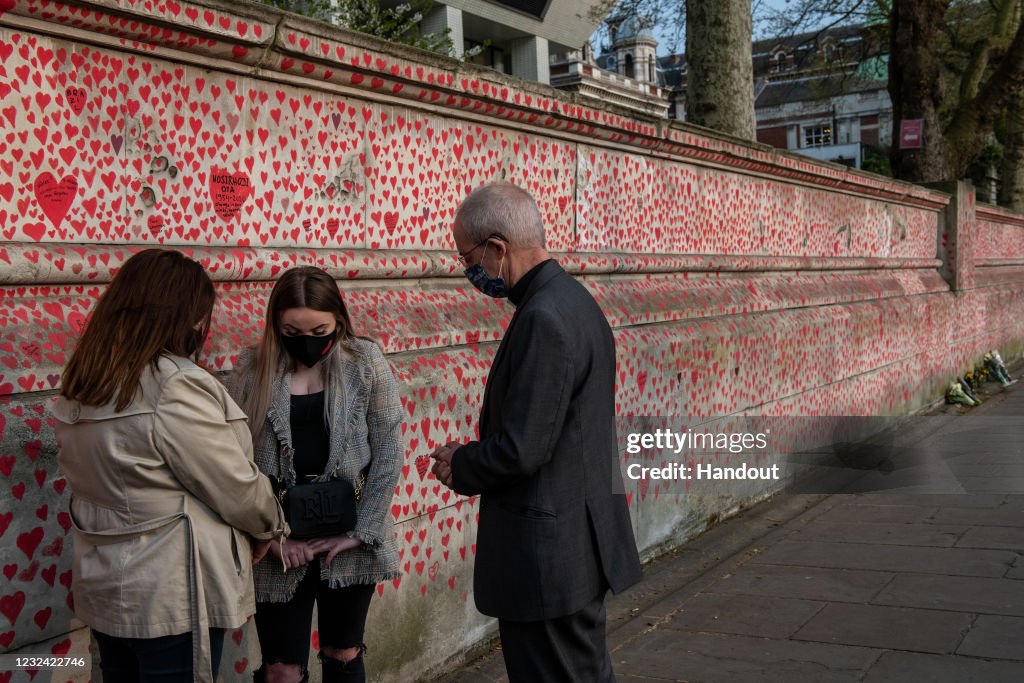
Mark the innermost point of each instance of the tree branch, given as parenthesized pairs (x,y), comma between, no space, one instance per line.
(981,52)
(974,118)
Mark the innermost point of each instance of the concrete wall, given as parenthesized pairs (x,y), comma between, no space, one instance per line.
(738,279)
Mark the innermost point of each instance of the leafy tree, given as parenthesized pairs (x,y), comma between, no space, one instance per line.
(956,64)
(877,161)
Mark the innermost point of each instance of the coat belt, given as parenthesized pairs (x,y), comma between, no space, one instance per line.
(202,662)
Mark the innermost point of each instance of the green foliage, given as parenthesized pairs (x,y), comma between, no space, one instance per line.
(877,161)
(399,24)
(991,155)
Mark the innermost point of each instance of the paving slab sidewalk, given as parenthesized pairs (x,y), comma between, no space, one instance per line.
(883,586)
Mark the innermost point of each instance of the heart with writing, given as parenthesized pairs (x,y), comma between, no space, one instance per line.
(55,197)
(228,192)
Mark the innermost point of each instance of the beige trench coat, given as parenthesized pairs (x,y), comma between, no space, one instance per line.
(164,495)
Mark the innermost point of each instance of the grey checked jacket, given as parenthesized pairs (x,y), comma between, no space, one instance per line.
(365,438)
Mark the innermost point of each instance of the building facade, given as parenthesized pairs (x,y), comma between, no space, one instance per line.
(825,95)
(822,94)
(516,37)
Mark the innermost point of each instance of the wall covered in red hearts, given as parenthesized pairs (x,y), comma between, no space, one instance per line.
(738,280)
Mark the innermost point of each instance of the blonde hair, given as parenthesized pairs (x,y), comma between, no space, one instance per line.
(302,287)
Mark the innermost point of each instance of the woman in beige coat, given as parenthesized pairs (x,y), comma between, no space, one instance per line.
(169,509)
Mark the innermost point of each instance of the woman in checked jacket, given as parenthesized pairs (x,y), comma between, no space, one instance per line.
(323,404)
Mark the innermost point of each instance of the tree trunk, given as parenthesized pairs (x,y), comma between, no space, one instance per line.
(916,87)
(1011,174)
(720,71)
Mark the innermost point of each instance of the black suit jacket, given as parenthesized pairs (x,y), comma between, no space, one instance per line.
(552,534)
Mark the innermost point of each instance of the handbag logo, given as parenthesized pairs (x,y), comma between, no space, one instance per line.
(320,505)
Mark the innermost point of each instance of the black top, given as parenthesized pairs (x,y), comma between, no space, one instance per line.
(310,436)
(515,295)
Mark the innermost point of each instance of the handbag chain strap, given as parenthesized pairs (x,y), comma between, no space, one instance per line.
(357,485)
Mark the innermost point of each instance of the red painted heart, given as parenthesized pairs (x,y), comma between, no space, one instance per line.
(76,98)
(54,197)
(228,192)
(11,605)
(422,465)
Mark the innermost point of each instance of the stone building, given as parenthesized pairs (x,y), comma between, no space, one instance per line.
(518,37)
(824,95)
(626,75)
(821,94)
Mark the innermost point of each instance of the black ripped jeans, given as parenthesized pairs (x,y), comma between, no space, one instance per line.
(284,627)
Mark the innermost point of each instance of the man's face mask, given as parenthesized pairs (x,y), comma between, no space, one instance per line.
(491,286)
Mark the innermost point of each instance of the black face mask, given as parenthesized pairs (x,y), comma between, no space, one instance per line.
(307,349)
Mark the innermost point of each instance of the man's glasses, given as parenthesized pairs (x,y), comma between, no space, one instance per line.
(494,235)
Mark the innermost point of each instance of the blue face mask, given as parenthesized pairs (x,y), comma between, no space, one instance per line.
(491,286)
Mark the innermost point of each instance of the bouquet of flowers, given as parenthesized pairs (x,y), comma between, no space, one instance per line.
(955,394)
(977,377)
(994,364)
(968,388)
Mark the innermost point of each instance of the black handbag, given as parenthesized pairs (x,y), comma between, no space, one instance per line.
(320,509)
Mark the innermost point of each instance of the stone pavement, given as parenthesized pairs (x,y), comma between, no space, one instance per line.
(881,586)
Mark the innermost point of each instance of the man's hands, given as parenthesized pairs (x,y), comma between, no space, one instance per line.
(442,456)
(299,553)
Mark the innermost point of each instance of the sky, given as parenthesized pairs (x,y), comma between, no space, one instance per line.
(666,32)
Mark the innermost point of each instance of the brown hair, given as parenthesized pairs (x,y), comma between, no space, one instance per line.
(150,309)
(302,287)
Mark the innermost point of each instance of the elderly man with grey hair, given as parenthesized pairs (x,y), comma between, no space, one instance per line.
(553,534)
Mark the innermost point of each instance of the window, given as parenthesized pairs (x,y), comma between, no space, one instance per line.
(629,66)
(817,136)
(780,61)
(650,69)
(832,52)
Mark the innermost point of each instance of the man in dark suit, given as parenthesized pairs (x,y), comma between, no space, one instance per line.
(553,536)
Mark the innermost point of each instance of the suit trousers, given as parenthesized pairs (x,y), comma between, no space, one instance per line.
(569,649)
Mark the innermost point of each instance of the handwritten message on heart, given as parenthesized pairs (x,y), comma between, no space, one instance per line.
(54,197)
(76,98)
(228,192)
(422,465)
